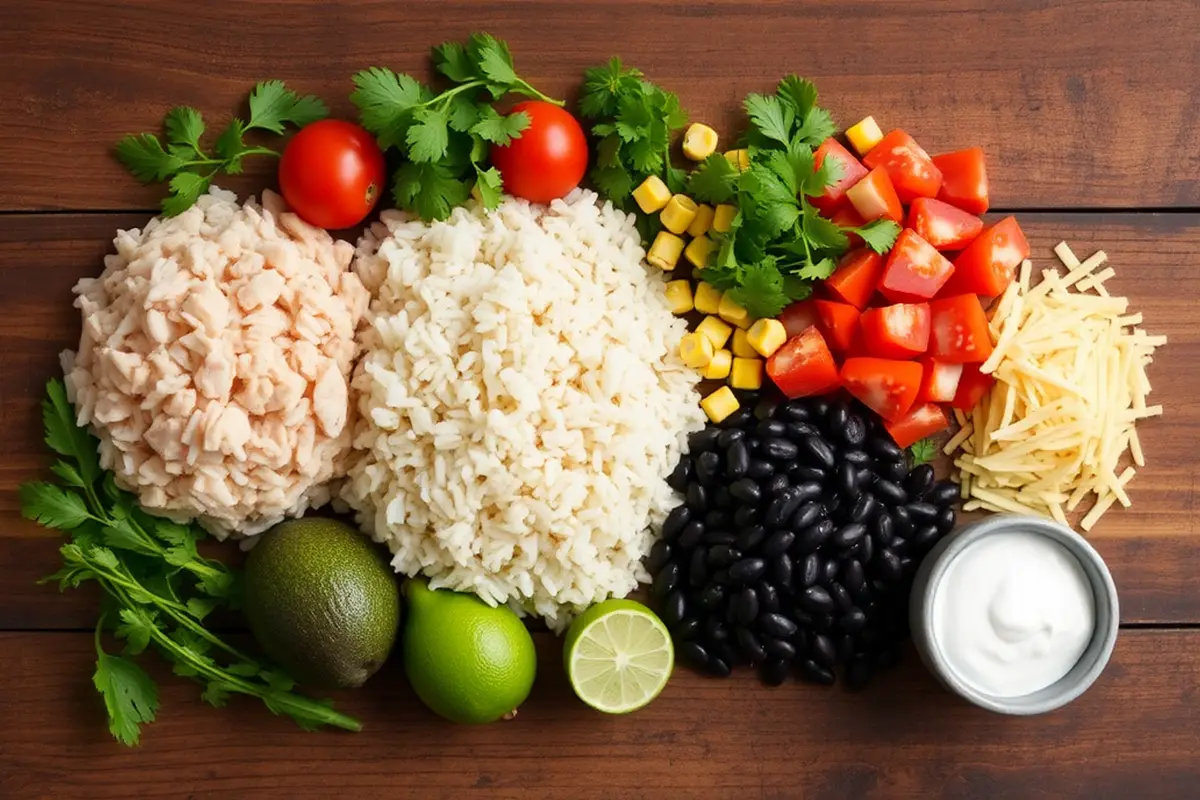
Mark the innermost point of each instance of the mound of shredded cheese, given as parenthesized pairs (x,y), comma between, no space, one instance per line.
(1070,368)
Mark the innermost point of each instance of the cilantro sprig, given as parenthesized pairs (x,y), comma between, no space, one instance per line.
(185,164)
(159,589)
(924,451)
(444,137)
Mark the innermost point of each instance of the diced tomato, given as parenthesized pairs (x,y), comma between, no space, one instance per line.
(804,366)
(858,343)
(914,271)
(852,171)
(959,330)
(964,179)
(942,225)
(846,217)
(798,316)
(988,264)
(837,323)
(874,197)
(908,165)
(919,422)
(939,381)
(972,386)
(896,331)
(886,387)
(856,277)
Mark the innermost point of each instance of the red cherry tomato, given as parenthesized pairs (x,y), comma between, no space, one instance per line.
(964,179)
(919,422)
(852,172)
(838,322)
(896,331)
(988,264)
(912,171)
(942,225)
(804,366)
(874,197)
(332,173)
(914,271)
(959,330)
(885,386)
(549,158)
(856,277)
(939,381)
(798,317)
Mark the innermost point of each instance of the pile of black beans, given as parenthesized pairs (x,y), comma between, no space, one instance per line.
(796,545)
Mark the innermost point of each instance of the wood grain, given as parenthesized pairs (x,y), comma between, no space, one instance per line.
(1077,103)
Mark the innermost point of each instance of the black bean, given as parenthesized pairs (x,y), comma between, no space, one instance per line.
(697,497)
(708,468)
(808,490)
(801,473)
(721,499)
(692,533)
(810,571)
(853,620)
(891,493)
(887,566)
(815,535)
(858,672)
(813,672)
(730,614)
(782,507)
(885,449)
(768,597)
(712,596)
(894,472)
(747,606)
(749,645)
(660,554)
(718,667)
(829,570)
(866,549)
(925,538)
(778,544)
(817,451)
(674,608)
(794,410)
(753,443)
(746,490)
(694,655)
(908,566)
(720,577)
(807,514)
(666,580)
(717,518)
(856,457)
(771,428)
(847,480)
(744,516)
(774,672)
(737,460)
(739,418)
(689,628)
(697,570)
(823,623)
(798,430)
(779,648)
(750,538)
(679,477)
(703,440)
(945,520)
(722,555)
(727,437)
(781,571)
(841,597)
(775,485)
(817,600)
(776,625)
(819,407)
(759,469)
(835,418)
(801,617)
(919,480)
(854,432)
(765,408)
(779,449)
(864,508)
(854,578)
(821,650)
(900,546)
(922,511)
(845,648)
(903,521)
(673,524)
(718,536)
(848,535)
(747,569)
(881,529)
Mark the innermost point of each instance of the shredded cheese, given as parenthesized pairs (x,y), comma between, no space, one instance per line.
(1070,368)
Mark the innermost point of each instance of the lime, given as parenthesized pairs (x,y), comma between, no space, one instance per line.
(618,656)
(467,661)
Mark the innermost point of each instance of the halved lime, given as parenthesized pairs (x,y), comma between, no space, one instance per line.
(618,656)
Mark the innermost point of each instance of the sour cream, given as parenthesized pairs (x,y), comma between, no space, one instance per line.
(1013,613)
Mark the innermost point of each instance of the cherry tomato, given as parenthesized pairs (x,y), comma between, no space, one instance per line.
(804,366)
(908,165)
(919,422)
(549,158)
(798,317)
(852,172)
(959,330)
(914,270)
(885,386)
(988,264)
(856,277)
(896,331)
(939,381)
(942,225)
(837,323)
(964,179)
(874,197)
(332,173)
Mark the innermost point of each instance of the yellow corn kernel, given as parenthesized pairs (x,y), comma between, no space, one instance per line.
(697,250)
(652,195)
(739,158)
(720,404)
(718,368)
(679,296)
(665,251)
(723,217)
(733,313)
(766,336)
(741,345)
(678,214)
(699,142)
(864,135)
(746,373)
(703,220)
(708,298)
(696,350)
(716,331)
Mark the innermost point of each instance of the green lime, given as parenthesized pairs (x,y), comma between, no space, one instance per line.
(467,661)
(618,656)
(322,601)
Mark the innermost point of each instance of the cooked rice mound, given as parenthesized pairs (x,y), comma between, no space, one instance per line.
(214,361)
(520,400)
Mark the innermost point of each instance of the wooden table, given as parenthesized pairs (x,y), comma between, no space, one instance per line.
(1089,115)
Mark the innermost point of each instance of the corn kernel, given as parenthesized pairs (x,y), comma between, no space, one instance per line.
(716,331)
(708,298)
(766,336)
(699,142)
(732,312)
(702,221)
(652,195)
(720,404)
(665,251)
(718,368)
(696,350)
(864,135)
(679,296)
(746,373)
(739,158)
(741,345)
(697,250)
(678,214)
(723,217)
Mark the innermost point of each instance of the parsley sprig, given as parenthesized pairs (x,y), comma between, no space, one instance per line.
(157,587)
(924,451)
(445,137)
(184,162)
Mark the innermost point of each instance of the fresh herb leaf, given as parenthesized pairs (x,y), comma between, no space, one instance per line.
(761,290)
(612,181)
(385,102)
(143,155)
(924,451)
(494,62)
(714,181)
(428,137)
(431,191)
(817,126)
(186,188)
(136,628)
(604,85)
(817,271)
(822,233)
(451,59)
(52,506)
(771,117)
(499,129)
(274,106)
(199,607)
(798,94)
(184,126)
(129,695)
(879,235)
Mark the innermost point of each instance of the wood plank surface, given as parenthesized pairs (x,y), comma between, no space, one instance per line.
(1077,102)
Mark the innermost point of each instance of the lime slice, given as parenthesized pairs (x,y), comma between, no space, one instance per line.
(618,656)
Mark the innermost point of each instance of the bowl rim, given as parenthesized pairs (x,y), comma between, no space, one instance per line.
(1105,603)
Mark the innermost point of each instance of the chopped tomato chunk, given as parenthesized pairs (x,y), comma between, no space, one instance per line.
(896,331)
(874,197)
(798,316)
(942,225)
(856,277)
(885,386)
(846,217)
(919,422)
(908,165)
(852,171)
(959,330)
(939,381)
(972,386)
(988,264)
(964,179)
(837,323)
(804,366)
(914,271)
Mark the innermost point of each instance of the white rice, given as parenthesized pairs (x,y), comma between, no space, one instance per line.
(521,402)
